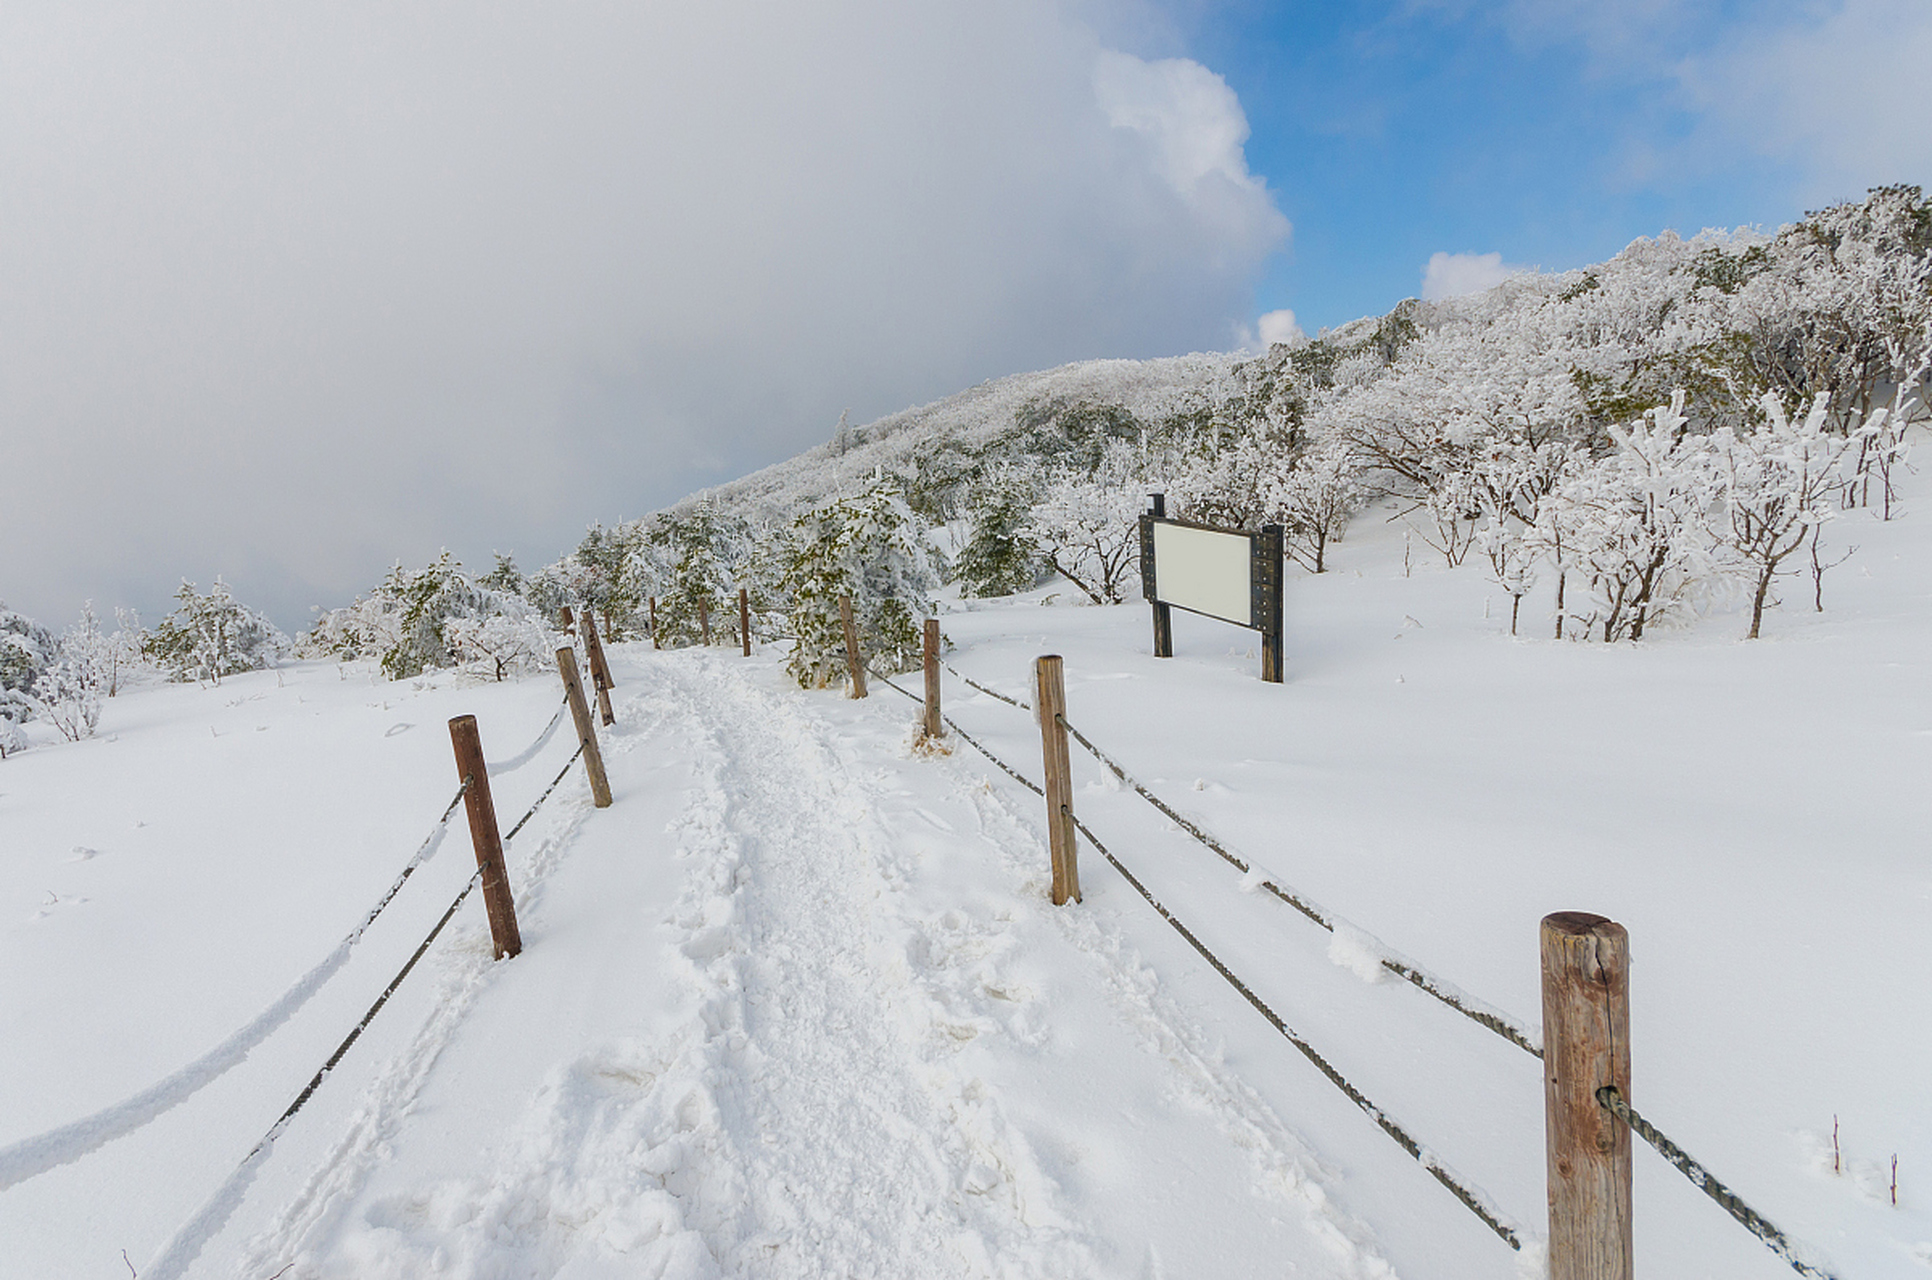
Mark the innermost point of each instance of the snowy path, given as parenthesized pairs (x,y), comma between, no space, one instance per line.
(795,1006)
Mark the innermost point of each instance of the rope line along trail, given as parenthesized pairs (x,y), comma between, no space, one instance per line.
(1468,1006)
(33,1156)
(1700,1177)
(1469,1198)
(1489,1019)
(187,1242)
(529,753)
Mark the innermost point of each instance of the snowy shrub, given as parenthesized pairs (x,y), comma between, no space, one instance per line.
(421,619)
(26,648)
(212,636)
(869,547)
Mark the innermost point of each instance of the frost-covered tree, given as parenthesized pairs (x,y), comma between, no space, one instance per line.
(417,620)
(998,558)
(211,636)
(511,637)
(1087,523)
(872,548)
(75,685)
(1777,484)
(1632,530)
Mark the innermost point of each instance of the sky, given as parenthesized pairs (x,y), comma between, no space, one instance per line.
(291,293)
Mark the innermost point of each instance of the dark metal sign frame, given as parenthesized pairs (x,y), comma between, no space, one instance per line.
(1264,586)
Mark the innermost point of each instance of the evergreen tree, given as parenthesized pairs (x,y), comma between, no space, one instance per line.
(869,547)
(998,558)
(208,637)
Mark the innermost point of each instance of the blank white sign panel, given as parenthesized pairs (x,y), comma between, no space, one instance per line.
(1205,571)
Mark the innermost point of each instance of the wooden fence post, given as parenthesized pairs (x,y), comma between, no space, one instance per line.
(744,619)
(704,621)
(586,731)
(483,834)
(854,665)
(599,669)
(1586,1045)
(933,727)
(1050,702)
(654,640)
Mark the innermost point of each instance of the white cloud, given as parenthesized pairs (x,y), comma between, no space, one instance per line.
(1279,326)
(1451,275)
(1843,94)
(287,293)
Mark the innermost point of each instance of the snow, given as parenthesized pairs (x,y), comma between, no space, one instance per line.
(796,1004)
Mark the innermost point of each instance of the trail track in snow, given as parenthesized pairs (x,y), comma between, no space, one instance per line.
(830,1096)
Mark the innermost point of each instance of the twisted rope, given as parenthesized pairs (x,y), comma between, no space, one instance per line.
(1447,1177)
(1422,980)
(1750,1219)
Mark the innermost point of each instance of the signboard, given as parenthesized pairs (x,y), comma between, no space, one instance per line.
(1228,574)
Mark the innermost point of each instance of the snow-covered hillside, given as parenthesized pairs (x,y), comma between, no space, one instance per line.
(796,1004)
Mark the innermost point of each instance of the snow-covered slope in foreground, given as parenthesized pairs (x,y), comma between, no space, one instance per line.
(796,1004)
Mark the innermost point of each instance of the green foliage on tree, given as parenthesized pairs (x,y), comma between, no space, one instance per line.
(998,558)
(211,636)
(869,547)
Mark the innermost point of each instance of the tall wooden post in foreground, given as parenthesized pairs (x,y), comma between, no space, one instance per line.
(854,664)
(931,653)
(483,834)
(1050,702)
(599,669)
(1586,1045)
(744,619)
(586,731)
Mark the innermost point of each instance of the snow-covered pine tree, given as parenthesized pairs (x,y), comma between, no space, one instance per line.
(872,548)
(698,580)
(211,636)
(26,648)
(998,558)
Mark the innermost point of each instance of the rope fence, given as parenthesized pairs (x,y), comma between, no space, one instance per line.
(1608,1097)
(1750,1219)
(30,1157)
(1471,1199)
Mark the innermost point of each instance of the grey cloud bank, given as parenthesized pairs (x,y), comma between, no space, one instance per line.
(285,296)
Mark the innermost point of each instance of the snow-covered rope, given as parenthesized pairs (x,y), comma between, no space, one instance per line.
(1481,1013)
(529,753)
(991,693)
(33,1156)
(1478,1011)
(1471,1198)
(1756,1223)
(187,1242)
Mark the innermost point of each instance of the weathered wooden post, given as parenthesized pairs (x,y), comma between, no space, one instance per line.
(654,640)
(1586,1045)
(931,653)
(483,834)
(1050,702)
(704,622)
(854,665)
(744,619)
(586,731)
(599,669)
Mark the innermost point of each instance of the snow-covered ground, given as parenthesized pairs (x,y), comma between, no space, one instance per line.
(796,1004)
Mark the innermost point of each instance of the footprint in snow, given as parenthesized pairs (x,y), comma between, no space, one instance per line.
(82,853)
(56,900)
